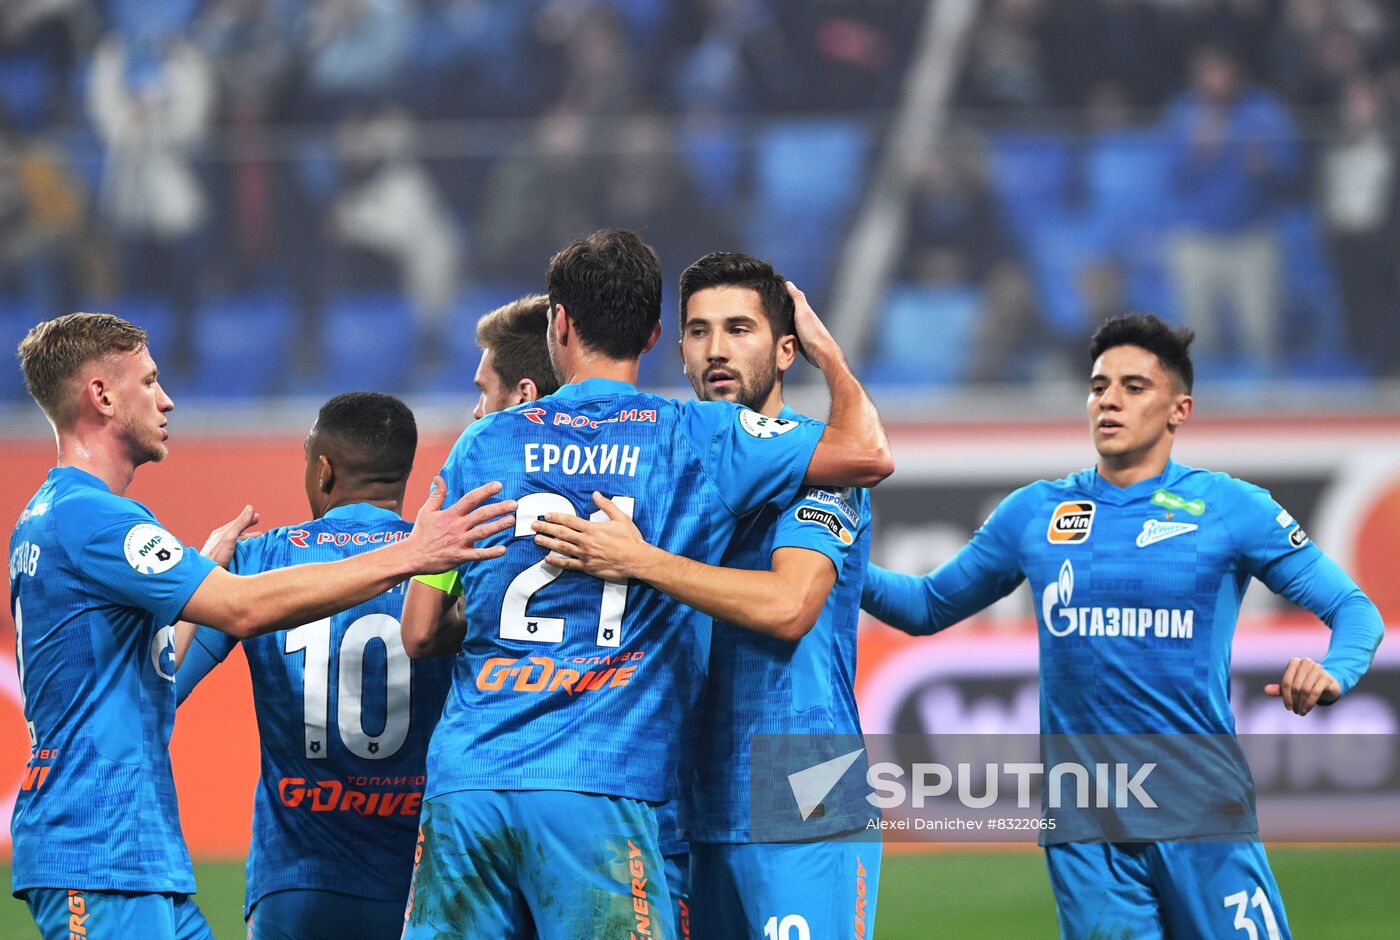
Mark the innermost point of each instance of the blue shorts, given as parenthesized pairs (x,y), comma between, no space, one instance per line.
(1153,890)
(304,914)
(678,883)
(100,915)
(551,864)
(791,891)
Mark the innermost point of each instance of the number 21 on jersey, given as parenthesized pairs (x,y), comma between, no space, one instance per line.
(516,623)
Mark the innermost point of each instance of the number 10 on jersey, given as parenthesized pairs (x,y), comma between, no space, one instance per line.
(516,623)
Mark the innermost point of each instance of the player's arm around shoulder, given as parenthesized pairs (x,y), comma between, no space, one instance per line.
(442,539)
(1275,548)
(782,602)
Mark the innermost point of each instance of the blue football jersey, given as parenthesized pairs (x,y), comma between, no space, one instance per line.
(344,718)
(564,681)
(762,685)
(95,584)
(1137,592)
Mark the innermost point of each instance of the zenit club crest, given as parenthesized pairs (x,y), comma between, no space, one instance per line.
(1071,522)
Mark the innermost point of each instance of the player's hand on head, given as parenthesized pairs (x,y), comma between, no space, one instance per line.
(1304,685)
(446,537)
(222,542)
(813,338)
(609,549)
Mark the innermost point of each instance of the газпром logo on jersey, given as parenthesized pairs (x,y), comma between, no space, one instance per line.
(1062,618)
(1071,522)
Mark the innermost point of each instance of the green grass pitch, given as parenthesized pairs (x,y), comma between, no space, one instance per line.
(1329,892)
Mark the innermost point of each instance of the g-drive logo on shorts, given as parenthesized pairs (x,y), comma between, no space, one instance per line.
(1071,522)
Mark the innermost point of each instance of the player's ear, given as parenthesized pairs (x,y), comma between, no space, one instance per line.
(526,390)
(655,335)
(786,352)
(99,394)
(325,474)
(561,325)
(1181,411)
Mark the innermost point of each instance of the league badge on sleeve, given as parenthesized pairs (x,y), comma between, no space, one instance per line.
(762,426)
(151,550)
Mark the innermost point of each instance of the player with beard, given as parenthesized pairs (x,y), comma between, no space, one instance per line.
(785,600)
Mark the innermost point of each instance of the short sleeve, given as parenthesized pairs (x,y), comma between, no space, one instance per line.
(823,519)
(250,556)
(752,459)
(137,563)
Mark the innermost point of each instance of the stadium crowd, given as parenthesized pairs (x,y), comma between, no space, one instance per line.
(307,169)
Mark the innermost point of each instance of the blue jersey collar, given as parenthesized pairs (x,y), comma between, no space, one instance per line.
(1102,487)
(80,477)
(595,388)
(367,512)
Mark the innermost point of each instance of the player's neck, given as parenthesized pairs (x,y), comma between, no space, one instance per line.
(1124,470)
(594,365)
(98,454)
(772,406)
(393,503)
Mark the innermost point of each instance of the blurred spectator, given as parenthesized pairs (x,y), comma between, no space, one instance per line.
(1361,210)
(1007,63)
(599,75)
(46,251)
(391,217)
(41,45)
(648,187)
(543,192)
(732,56)
(355,47)
(1234,159)
(951,212)
(151,100)
(250,43)
(1009,343)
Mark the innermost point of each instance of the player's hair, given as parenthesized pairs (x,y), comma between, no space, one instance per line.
(515,334)
(610,284)
(1170,346)
(376,433)
(735,269)
(53,352)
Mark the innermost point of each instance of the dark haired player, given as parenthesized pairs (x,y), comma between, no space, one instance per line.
(561,730)
(1140,564)
(783,652)
(344,716)
(96,585)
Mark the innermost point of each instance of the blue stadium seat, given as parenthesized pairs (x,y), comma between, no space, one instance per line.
(1030,174)
(367,342)
(1126,178)
(1058,255)
(242,346)
(810,168)
(714,153)
(926,336)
